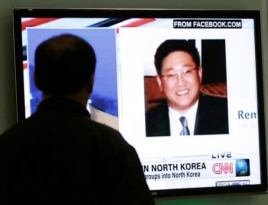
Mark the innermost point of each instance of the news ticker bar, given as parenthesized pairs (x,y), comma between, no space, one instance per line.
(190,23)
(233,183)
(197,169)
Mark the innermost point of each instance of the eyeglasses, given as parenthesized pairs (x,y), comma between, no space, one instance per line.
(173,75)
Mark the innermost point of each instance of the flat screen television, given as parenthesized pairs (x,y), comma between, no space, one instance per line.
(225,150)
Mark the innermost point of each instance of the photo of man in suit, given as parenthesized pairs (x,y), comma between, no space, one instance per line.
(185,111)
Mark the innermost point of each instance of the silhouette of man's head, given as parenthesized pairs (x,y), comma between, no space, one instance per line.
(63,65)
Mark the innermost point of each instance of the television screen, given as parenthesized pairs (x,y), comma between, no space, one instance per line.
(184,87)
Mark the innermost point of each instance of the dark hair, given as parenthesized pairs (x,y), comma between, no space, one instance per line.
(172,45)
(63,64)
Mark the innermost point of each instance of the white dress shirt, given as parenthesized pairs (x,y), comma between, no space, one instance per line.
(174,119)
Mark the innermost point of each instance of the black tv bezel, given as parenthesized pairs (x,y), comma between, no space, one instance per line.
(154,13)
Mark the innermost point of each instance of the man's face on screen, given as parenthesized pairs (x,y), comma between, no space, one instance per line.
(180,80)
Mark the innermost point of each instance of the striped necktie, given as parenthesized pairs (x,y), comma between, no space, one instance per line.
(185,129)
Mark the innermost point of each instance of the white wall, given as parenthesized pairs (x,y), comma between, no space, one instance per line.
(7,79)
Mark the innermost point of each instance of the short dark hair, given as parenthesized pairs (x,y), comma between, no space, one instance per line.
(64,64)
(172,45)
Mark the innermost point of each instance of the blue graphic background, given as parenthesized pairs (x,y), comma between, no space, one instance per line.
(104,96)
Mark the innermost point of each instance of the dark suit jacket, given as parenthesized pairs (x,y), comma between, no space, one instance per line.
(211,118)
(60,156)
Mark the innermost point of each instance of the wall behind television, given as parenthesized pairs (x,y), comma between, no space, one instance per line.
(7,80)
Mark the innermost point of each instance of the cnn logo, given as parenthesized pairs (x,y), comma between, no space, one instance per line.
(223,168)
